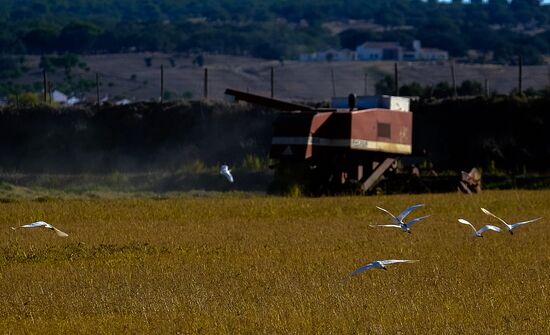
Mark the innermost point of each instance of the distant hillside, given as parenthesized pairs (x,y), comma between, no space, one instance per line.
(498,30)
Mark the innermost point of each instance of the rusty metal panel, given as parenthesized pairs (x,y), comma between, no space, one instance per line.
(335,126)
(290,135)
(382,130)
(295,135)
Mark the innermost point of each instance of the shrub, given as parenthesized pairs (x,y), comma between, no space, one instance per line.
(254,163)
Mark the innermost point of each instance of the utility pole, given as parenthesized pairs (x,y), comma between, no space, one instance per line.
(272,82)
(520,76)
(396,80)
(97,89)
(161,83)
(333,83)
(366,77)
(50,90)
(486,88)
(45,78)
(453,78)
(205,93)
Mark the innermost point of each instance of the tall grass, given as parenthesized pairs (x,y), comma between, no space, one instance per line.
(273,265)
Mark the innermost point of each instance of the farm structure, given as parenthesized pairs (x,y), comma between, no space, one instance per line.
(344,148)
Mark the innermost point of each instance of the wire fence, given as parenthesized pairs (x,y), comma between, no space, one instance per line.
(292,80)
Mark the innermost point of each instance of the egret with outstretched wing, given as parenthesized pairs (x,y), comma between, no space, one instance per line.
(397,221)
(478,233)
(381,265)
(512,226)
(43,224)
(224,171)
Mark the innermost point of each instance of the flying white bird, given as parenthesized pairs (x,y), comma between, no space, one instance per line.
(512,226)
(397,221)
(226,173)
(381,265)
(477,233)
(43,224)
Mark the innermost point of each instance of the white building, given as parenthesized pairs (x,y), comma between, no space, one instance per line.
(59,97)
(73,101)
(373,51)
(424,54)
(123,102)
(329,55)
(432,54)
(379,51)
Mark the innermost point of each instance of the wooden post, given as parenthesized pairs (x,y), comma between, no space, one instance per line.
(370,182)
(520,76)
(453,78)
(45,78)
(17,100)
(161,83)
(486,88)
(333,83)
(50,87)
(366,83)
(205,93)
(396,80)
(272,82)
(97,89)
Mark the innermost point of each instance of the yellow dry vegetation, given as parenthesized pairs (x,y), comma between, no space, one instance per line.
(254,264)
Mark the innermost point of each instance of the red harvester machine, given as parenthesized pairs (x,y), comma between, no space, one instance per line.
(345,148)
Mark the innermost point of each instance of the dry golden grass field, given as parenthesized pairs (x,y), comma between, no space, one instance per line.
(239,264)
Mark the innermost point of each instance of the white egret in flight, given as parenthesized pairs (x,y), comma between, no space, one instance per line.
(512,226)
(226,173)
(381,265)
(478,233)
(42,224)
(397,221)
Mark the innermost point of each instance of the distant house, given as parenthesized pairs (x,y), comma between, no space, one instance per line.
(59,97)
(379,51)
(123,102)
(328,55)
(432,54)
(394,51)
(73,101)
(88,100)
(424,54)
(373,51)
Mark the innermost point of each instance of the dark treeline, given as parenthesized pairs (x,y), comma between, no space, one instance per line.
(444,89)
(135,138)
(498,29)
(506,133)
